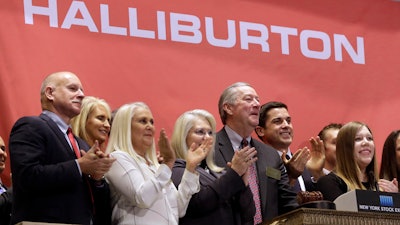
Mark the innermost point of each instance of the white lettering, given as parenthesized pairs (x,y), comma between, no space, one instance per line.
(70,18)
(340,40)
(105,23)
(50,11)
(375,208)
(284,32)
(162,31)
(187,29)
(387,209)
(134,28)
(191,29)
(325,53)
(226,43)
(246,39)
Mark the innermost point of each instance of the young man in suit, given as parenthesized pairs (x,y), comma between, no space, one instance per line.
(275,129)
(239,111)
(52,180)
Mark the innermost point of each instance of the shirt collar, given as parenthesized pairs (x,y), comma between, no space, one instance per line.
(60,123)
(235,138)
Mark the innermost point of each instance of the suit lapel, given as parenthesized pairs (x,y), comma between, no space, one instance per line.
(60,136)
(224,144)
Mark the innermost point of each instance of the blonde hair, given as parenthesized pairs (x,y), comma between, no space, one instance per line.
(78,123)
(120,135)
(346,165)
(181,130)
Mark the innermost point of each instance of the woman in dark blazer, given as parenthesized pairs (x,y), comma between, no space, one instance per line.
(224,196)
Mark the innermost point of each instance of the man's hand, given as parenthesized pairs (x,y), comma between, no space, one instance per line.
(295,166)
(241,161)
(95,162)
(316,163)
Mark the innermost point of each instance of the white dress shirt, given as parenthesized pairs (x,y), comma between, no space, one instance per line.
(143,194)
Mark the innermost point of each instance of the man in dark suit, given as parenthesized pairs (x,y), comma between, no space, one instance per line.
(275,128)
(239,111)
(5,193)
(51,182)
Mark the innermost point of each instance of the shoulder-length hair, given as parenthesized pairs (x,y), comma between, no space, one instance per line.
(181,130)
(120,135)
(389,168)
(78,123)
(346,165)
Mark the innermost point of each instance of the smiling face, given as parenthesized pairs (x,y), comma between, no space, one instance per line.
(364,148)
(64,95)
(199,132)
(278,129)
(98,125)
(3,155)
(244,113)
(142,130)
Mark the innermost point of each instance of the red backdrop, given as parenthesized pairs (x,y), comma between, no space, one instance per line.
(329,61)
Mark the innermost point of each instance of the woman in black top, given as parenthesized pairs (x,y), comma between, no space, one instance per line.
(356,166)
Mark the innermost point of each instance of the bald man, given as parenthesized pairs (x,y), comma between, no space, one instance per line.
(52,180)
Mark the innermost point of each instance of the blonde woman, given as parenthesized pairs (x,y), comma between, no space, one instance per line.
(93,123)
(224,196)
(141,188)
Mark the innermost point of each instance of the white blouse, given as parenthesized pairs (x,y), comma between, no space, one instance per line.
(143,194)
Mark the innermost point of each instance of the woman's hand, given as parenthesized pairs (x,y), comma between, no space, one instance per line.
(166,152)
(388,186)
(195,155)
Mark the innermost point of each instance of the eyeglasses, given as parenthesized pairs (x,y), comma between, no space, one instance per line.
(202,132)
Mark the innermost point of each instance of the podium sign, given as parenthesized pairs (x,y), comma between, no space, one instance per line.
(369,201)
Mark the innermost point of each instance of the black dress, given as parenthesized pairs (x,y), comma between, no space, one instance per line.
(332,186)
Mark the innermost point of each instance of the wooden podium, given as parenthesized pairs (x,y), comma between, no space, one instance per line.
(309,216)
(38,223)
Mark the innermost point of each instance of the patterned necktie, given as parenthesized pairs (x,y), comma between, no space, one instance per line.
(254,187)
(73,142)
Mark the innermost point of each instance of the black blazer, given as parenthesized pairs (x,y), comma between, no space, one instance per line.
(222,199)
(48,186)
(5,206)
(276,196)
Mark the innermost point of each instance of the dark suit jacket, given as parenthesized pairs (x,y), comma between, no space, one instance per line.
(222,199)
(48,186)
(276,196)
(5,206)
(310,186)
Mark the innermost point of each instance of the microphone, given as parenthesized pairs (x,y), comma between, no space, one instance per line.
(372,180)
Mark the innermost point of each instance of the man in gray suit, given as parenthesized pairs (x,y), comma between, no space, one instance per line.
(239,108)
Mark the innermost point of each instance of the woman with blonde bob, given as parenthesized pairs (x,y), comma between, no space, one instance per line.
(93,123)
(224,196)
(141,190)
(356,166)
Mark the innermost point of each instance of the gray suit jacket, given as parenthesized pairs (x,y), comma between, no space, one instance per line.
(275,193)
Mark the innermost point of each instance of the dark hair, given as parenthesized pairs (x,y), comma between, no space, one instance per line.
(266,108)
(389,167)
(264,112)
(322,133)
